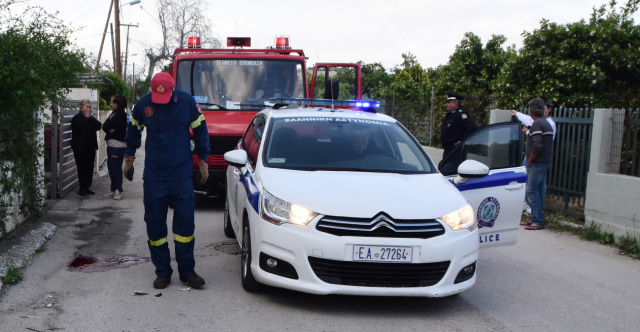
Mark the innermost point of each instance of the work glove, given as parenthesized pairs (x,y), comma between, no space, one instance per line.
(127,170)
(204,171)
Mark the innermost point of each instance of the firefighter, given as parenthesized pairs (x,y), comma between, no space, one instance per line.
(168,113)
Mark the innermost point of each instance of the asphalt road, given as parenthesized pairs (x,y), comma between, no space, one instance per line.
(547,282)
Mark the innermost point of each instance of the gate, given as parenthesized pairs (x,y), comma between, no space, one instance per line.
(64,176)
(567,178)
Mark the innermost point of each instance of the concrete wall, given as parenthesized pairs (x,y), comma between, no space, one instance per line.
(16,218)
(612,200)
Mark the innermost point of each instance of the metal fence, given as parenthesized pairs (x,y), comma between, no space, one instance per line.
(629,155)
(567,178)
(64,177)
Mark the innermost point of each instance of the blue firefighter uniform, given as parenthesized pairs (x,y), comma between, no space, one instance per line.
(167,173)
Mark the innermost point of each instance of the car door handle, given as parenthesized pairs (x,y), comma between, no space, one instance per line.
(514,186)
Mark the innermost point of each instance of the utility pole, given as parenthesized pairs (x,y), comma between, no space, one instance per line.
(133,84)
(118,62)
(126,49)
(113,47)
(431,120)
(103,35)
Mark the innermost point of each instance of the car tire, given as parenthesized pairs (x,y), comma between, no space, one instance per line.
(249,283)
(228,229)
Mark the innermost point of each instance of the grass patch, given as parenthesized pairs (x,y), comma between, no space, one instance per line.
(628,245)
(13,276)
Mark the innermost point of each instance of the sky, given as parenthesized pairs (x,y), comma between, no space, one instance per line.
(372,31)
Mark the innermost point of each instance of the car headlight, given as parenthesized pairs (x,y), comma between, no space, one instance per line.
(461,218)
(278,211)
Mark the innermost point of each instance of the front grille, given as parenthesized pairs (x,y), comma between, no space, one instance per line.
(381,226)
(221,144)
(378,274)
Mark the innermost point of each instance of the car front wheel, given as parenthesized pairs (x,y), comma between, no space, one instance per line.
(228,230)
(248,282)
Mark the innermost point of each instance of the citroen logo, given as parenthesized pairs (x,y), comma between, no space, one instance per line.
(382,221)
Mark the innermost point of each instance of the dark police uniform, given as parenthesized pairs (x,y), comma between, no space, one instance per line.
(457,125)
(167,173)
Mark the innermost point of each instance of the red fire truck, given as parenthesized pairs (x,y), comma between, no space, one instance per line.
(233,84)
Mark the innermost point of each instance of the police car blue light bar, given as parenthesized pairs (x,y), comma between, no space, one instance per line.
(326,102)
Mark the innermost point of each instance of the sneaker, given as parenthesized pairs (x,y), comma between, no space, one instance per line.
(90,192)
(116,195)
(108,195)
(161,282)
(82,192)
(194,280)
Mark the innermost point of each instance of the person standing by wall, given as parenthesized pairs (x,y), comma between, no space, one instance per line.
(168,114)
(115,128)
(84,143)
(538,152)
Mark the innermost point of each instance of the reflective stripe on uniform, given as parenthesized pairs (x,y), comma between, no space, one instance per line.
(135,123)
(183,239)
(198,121)
(158,243)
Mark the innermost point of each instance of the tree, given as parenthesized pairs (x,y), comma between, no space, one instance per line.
(179,19)
(38,65)
(408,97)
(119,87)
(473,71)
(375,80)
(580,64)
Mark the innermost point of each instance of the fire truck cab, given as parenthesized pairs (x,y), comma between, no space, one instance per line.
(233,84)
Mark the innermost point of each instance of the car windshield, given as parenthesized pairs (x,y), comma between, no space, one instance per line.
(342,144)
(236,84)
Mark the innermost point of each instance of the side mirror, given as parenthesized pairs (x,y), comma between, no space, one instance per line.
(236,158)
(473,169)
(470,169)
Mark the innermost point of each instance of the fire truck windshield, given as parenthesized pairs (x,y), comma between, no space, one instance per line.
(240,84)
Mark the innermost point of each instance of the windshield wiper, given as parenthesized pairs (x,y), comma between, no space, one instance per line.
(253,105)
(218,105)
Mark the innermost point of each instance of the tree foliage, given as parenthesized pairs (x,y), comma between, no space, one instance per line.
(584,64)
(590,63)
(180,19)
(473,71)
(119,87)
(38,65)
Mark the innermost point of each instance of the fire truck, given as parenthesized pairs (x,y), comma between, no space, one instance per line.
(233,84)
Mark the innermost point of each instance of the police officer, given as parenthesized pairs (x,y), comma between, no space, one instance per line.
(457,125)
(168,113)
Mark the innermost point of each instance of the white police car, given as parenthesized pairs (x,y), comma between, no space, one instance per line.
(333,201)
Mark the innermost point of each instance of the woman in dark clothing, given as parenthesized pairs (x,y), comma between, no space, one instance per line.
(116,129)
(84,143)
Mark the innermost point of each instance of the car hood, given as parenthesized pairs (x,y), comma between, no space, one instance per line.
(365,194)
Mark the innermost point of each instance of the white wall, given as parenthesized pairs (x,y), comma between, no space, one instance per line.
(612,200)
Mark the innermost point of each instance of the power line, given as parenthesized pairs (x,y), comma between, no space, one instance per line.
(153,18)
(85,13)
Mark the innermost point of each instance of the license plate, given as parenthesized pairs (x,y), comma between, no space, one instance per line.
(382,254)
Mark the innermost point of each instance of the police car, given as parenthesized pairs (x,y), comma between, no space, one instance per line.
(326,200)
